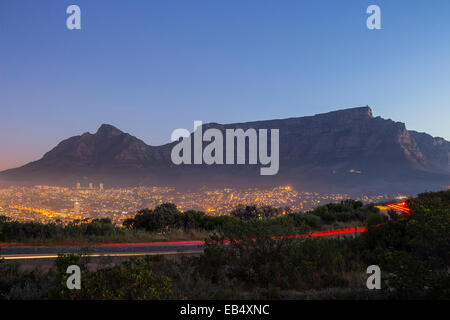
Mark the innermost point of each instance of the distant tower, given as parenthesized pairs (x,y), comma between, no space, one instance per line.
(78,185)
(91,186)
(76,208)
(101,186)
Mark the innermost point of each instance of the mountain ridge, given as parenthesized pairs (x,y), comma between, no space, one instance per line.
(317,152)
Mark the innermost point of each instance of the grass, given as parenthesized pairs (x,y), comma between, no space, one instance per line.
(122,236)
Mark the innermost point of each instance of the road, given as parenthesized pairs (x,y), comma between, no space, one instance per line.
(20,253)
(24,253)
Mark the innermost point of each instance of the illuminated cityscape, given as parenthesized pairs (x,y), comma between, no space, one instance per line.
(48,204)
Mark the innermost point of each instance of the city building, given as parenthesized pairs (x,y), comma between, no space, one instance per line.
(76,208)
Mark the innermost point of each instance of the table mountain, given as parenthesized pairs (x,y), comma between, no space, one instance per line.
(347,150)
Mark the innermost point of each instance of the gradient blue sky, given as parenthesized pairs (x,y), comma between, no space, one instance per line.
(149,67)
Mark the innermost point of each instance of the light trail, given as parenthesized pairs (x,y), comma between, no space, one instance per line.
(126,254)
(153,243)
(324,233)
(400,207)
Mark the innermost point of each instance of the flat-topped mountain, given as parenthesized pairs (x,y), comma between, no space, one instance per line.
(348,150)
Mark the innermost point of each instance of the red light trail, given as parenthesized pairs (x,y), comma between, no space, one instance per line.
(402,207)
(297,236)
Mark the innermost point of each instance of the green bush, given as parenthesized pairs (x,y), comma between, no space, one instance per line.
(325,214)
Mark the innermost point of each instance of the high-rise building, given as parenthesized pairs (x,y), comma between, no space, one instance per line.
(91,185)
(76,208)
(101,186)
(78,185)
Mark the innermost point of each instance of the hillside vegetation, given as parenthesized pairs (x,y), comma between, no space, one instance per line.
(412,252)
(167,223)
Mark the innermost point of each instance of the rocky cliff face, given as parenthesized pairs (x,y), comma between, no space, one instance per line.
(343,150)
(436,150)
(340,138)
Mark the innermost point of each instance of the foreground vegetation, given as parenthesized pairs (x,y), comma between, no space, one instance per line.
(167,223)
(412,251)
(86,233)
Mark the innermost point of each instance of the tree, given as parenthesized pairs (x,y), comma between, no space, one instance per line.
(244,212)
(165,216)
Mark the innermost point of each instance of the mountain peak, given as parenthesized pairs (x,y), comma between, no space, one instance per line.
(108,130)
(358,112)
(367,110)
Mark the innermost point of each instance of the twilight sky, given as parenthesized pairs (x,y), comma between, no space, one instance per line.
(149,67)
